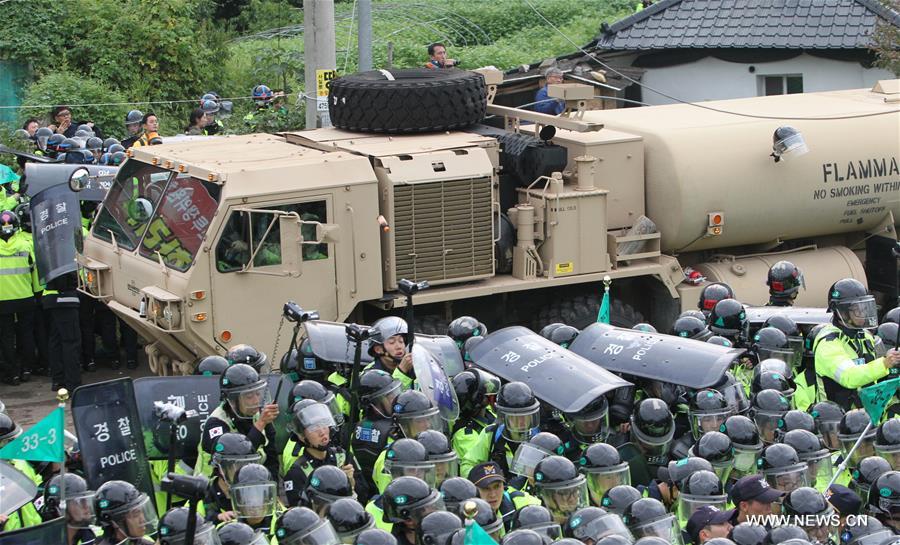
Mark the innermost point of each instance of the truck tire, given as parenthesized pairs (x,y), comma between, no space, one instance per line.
(581,311)
(415,100)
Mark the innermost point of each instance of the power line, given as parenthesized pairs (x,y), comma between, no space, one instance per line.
(695,104)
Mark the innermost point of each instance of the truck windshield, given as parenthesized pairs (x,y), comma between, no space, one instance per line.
(164,214)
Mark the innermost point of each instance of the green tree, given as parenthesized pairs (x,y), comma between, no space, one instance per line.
(886,41)
(64,87)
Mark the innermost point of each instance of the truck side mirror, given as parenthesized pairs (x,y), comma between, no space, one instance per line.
(79,179)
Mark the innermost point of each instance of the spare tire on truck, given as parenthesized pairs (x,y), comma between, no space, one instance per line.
(407,101)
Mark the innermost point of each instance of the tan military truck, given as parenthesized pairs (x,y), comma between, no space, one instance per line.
(198,244)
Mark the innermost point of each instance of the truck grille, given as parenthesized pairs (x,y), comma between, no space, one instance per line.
(443,231)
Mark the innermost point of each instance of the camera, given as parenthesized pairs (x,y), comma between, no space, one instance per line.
(293,313)
(408,287)
(187,486)
(170,412)
(357,333)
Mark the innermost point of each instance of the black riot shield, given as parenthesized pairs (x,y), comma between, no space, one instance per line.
(803,316)
(562,378)
(52,532)
(433,382)
(16,487)
(328,341)
(110,435)
(39,177)
(194,393)
(445,351)
(654,356)
(55,221)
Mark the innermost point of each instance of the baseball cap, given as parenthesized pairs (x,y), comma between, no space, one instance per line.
(754,487)
(846,501)
(486,473)
(704,516)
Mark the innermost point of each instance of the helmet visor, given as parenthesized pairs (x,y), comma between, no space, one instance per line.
(702,422)
(415,513)
(723,469)
(889,507)
(736,397)
(204,535)
(445,469)
(829,432)
(413,425)
(248,402)
(608,525)
(383,401)
(549,531)
(591,428)
(891,453)
(422,470)
(866,447)
(787,479)
(80,510)
(526,459)
(254,501)
(881,537)
(666,528)
(312,418)
(520,427)
(858,313)
(601,480)
(332,403)
(564,499)
(819,471)
(349,537)
(768,423)
(822,531)
(784,354)
(321,534)
(652,446)
(230,465)
(138,521)
(745,461)
(796,344)
(688,503)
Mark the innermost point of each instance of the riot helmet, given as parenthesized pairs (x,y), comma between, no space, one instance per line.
(485,516)
(253,493)
(109,142)
(647,517)
(707,411)
(415,413)
(548,329)
(518,411)
(768,409)
(377,391)
(538,519)
(866,530)
(603,468)
(41,136)
(691,327)
(670,393)
(827,416)
(771,342)
(117,158)
(851,305)
(408,457)
(618,498)
(734,393)
(812,512)
(564,335)
(209,107)
(302,526)
(119,505)
(784,281)
(9,224)
(522,537)
(133,121)
(591,424)
(594,524)
(93,144)
(475,390)
(384,329)
(652,427)
(720,341)
(243,391)
(887,441)
(812,451)
(884,498)
(375,536)
(781,466)
(694,313)
(231,452)
(238,533)
(747,533)
(244,353)
(262,95)
(798,420)
(211,366)
(716,447)
(866,473)
(765,379)
(644,328)
(409,500)
(53,142)
(789,327)
(712,294)
(326,485)
(173,528)
(699,489)
(456,490)
(786,533)
(79,501)
(441,454)
(679,470)
(852,425)
(349,518)
(886,337)
(729,319)
(437,528)
(310,389)
(561,487)
(9,429)
(463,328)
(891,316)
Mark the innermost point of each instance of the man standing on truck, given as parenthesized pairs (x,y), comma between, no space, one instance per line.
(845,351)
(438,53)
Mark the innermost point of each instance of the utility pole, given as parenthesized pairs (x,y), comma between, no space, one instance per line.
(319,58)
(364,35)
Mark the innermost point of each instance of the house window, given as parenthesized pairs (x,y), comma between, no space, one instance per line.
(780,85)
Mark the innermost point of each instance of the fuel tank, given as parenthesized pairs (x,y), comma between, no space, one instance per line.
(699,161)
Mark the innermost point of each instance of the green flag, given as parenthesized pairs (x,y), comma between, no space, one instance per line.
(876,397)
(603,315)
(44,442)
(475,535)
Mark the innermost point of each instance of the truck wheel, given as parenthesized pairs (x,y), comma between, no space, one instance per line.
(431,324)
(415,100)
(581,311)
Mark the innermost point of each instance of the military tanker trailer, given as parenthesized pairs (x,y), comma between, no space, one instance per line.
(198,244)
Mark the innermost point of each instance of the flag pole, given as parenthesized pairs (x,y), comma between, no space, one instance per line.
(62,395)
(843,465)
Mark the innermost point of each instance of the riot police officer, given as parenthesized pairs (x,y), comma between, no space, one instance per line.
(768,408)
(173,526)
(133,125)
(486,517)
(79,506)
(784,280)
(246,354)
(887,442)
(302,525)
(691,327)
(845,356)
(562,489)
(326,485)
(210,366)
(701,488)
(464,328)
(348,518)
(884,500)
(811,512)
(456,490)
(593,525)
(648,517)
(438,527)
(406,501)
(781,466)
(866,473)
(445,459)
(389,338)
(618,498)
(18,284)
(124,513)
(716,447)
(254,498)
(231,452)
(403,457)
(729,319)
(377,392)
(652,430)
(475,391)
(603,468)
(712,294)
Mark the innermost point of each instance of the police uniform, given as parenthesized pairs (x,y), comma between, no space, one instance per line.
(18,284)
(370,438)
(488,445)
(60,302)
(222,420)
(845,362)
(297,476)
